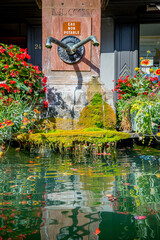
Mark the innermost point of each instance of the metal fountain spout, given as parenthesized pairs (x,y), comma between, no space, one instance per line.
(71,48)
(57,42)
(91,38)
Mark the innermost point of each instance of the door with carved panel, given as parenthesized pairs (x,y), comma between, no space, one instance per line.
(126,48)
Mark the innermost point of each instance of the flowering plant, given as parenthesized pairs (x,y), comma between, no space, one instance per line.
(18,76)
(139,95)
(22,86)
(17,115)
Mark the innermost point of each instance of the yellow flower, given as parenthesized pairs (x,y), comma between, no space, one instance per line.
(136,69)
(151,70)
(141,58)
(25,114)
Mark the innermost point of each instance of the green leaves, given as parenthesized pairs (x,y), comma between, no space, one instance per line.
(19,94)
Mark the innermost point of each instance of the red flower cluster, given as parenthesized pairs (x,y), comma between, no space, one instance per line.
(7,123)
(21,76)
(2,50)
(5,86)
(140,84)
(46,103)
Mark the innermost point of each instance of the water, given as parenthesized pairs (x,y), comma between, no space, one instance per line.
(106,197)
(98,56)
(102,84)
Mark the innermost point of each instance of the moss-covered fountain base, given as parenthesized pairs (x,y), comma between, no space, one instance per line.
(90,140)
(93,133)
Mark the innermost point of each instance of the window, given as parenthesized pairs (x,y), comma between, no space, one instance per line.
(150,44)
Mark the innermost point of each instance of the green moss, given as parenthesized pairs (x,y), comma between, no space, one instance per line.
(98,114)
(97,99)
(61,140)
(92,129)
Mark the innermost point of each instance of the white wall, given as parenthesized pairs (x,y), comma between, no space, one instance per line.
(107,69)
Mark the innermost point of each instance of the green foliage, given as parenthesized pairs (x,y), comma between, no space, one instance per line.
(18,76)
(97,99)
(18,116)
(22,85)
(92,129)
(139,97)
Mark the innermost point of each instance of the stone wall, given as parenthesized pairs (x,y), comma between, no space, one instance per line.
(69,85)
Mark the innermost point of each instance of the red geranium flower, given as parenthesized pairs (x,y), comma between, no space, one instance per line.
(10,47)
(44,79)
(119,96)
(46,103)
(45,89)
(11,54)
(6,66)
(12,82)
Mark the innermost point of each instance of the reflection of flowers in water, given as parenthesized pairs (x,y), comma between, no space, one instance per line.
(139,217)
(97,231)
(21,206)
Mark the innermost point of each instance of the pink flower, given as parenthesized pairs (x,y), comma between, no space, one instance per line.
(12,74)
(139,217)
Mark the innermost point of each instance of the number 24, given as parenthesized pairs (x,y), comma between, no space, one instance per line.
(37,46)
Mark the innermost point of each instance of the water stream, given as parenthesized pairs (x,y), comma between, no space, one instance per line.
(105,197)
(102,90)
(98,56)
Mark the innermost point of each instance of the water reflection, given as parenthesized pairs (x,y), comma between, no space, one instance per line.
(62,198)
